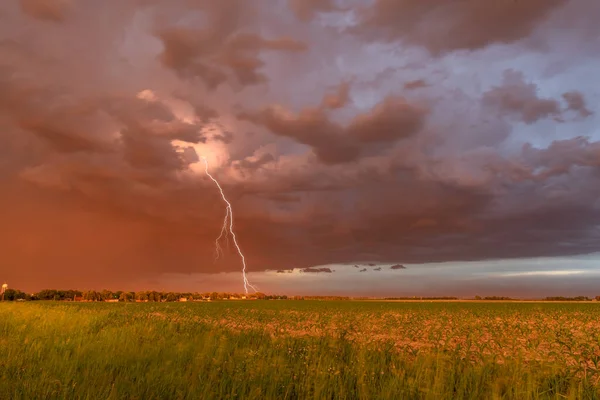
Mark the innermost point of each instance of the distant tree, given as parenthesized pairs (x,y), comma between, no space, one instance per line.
(107,295)
(477,297)
(141,296)
(561,298)
(154,296)
(92,295)
(14,294)
(10,295)
(58,295)
(125,297)
(47,294)
(172,297)
(71,294)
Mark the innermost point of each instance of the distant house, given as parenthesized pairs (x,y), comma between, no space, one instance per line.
(78,298)
(111,300)
(183,299)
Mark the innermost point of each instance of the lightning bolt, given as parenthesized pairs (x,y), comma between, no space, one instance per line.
(227,229)
(218,248)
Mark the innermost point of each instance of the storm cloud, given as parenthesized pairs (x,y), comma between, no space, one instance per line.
(343,133)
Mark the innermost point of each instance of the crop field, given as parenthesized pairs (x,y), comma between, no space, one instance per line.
(299,350)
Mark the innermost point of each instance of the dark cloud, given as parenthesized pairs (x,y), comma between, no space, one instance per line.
(416,84)
(390,120)
(213,55)
(516,97)
(317,270)
(363,270)
(576,103)
(62,139)
(48,10)
(443,26)
(311,127)
(519,98)
(398,266)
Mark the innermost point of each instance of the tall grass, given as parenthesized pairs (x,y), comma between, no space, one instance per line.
(296,350)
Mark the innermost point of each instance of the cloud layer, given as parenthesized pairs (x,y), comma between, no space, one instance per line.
(342,132)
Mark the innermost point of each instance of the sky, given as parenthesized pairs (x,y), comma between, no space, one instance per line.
(457,138)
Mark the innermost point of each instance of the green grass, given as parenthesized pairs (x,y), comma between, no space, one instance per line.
(299,350)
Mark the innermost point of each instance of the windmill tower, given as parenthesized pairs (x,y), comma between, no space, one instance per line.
(3,290)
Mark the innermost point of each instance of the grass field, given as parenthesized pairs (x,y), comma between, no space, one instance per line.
(299,350)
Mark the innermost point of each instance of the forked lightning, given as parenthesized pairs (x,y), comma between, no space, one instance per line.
(228,229)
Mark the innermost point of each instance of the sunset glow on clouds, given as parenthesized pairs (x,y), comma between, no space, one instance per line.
(343,132)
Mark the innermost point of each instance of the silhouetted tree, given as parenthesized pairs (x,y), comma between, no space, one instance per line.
(13,294)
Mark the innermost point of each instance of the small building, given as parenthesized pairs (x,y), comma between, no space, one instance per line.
(111,300)
(183,300)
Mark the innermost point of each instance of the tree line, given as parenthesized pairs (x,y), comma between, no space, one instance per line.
(123,296)
(156,296)
(578,298)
